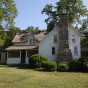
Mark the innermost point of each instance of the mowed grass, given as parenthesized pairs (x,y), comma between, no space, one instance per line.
(21,78)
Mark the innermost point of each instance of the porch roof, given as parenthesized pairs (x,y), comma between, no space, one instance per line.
(21,47)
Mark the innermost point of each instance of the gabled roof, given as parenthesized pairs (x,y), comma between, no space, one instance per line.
(19,37)
(19,40)
(40,36)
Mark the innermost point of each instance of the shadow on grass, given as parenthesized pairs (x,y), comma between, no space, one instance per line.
(28,67)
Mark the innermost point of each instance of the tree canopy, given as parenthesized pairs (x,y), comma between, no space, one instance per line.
(74,10)
(32,29)
(8,12)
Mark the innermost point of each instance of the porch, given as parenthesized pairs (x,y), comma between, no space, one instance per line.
(21,54)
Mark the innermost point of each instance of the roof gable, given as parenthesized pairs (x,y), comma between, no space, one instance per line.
(24,37)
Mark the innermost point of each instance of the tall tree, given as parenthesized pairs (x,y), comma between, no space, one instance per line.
(74,9)
(84,25)
(8,12)
(65,12)
(84,45)
(84,40)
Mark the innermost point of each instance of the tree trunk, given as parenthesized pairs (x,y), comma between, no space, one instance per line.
(64,51)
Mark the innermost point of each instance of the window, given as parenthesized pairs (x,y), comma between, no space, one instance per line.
(31,41)
(55,38)
(75,51)
(53,50)
(14,54)
(73,40)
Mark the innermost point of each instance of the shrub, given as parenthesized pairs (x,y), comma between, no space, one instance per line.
(42,59)
(36,60)
(86,67)
(62,67)
(49,65)
(77,65)
(84,59)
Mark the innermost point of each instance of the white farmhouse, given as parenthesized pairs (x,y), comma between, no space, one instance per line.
(23,46)
(50,45)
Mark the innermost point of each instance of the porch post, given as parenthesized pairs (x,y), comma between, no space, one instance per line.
(20,56)
(6,57)
(7,54)
(26,53)
(26,57)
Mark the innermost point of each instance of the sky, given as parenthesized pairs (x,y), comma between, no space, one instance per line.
(29,13)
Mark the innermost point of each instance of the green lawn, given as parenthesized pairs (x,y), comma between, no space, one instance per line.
(21,78)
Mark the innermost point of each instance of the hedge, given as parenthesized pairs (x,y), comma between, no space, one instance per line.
(36,60)
(49,65)
(62,67)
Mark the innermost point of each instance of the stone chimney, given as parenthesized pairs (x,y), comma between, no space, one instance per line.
(64,51)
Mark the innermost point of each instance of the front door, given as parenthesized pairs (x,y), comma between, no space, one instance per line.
(23,56)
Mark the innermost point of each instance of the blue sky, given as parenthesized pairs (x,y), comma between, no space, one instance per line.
(29,13)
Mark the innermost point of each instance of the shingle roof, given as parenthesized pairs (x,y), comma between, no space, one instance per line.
(40,36)
(22,46)
(18,37)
